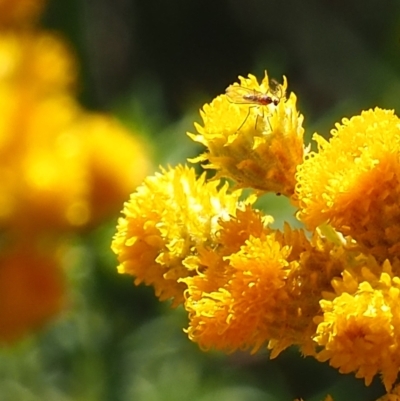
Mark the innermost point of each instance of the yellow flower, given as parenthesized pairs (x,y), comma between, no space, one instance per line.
(65,169)
(360,327)
(166,219)
(44,177)
(61,167)
(258,146)
(353,182)
(41,63)
(116,162)
(36,71)
(34,68)
(233,304)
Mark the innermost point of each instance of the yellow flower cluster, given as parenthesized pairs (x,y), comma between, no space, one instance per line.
(332,288)
(61,168)
(55,157)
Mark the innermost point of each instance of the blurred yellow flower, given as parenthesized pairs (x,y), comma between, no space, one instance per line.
(117,161)
(43,166)
(353,182)
(39,62)
(257,145)
(61,168)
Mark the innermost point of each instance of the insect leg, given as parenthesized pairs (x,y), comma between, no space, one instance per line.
(265,118)
(258,116)
(269,123)
(247,116)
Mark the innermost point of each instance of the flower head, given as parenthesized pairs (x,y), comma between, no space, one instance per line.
(61,167)
(236,308)
(353,182)
(360,327)
(115,162)
(166,220)
(41,63)
(256,142)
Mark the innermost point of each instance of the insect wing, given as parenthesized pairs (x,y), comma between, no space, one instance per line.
(276,89)
(238,94)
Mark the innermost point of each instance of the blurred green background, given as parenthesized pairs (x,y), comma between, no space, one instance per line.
(153,64)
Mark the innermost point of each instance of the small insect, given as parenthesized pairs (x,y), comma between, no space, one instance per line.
(240,95)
